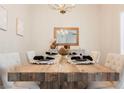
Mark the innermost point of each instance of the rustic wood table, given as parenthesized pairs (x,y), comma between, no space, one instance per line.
(63,75)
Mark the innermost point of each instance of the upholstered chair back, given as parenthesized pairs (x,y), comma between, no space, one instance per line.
(30,56)
(120,68)
(96,56)
(7,61)
(115,62)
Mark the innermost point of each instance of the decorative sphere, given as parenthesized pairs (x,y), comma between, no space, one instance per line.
(62,51)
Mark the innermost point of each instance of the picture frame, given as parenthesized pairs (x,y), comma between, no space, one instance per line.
(3,18)
(19,27)
(66,36)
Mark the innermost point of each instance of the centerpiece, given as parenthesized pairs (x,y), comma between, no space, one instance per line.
(63,52)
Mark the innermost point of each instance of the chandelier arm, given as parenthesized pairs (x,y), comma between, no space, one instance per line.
(62,8)
(54,7)
(69,7)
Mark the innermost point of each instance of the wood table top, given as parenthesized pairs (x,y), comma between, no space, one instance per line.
(62,68)
(62,74)
(92,71)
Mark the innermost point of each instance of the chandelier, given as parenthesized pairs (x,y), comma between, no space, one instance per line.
(62,8)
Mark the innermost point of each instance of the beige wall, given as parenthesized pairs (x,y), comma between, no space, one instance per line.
(9,41)
(99,27)
(110,29)
(44,19)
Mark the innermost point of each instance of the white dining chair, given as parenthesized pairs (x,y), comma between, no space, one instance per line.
(96,56)
(120,84)
(115,62)
(30,56)
(7,62)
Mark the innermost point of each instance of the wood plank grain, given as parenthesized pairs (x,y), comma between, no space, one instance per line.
(38,72)
(62,74)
